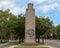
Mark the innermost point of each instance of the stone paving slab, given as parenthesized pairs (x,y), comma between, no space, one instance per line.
(54,43)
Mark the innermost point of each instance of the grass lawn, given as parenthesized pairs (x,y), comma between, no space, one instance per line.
(30,47)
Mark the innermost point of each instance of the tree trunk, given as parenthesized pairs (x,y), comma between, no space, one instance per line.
(38,40)
(42,40)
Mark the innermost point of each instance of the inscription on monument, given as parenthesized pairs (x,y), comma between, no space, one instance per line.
(30,32)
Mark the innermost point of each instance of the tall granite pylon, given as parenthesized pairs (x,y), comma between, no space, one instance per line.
(30,24)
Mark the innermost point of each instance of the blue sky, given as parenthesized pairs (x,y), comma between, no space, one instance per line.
(44,8)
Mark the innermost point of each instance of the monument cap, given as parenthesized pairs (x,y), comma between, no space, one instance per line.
(30,5)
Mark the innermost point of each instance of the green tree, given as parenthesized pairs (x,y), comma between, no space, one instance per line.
(3,22)
(7,23)
(58,31)
(43,25)
(20,27)
(53,32)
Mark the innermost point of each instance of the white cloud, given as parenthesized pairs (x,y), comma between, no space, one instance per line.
(11,4)
(14,1)
(17,10)
(6,4)
(45,5)
(39,1)
(46,8)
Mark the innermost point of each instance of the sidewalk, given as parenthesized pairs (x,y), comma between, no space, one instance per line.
(3,44)
(12,46)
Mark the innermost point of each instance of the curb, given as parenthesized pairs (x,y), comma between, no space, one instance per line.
(37,46)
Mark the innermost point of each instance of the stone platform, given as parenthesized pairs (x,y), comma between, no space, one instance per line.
(30,44)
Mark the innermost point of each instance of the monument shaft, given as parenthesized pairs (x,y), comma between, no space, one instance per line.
(30,24)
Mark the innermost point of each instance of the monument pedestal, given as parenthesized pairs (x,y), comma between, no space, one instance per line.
(30,44)
(29,41)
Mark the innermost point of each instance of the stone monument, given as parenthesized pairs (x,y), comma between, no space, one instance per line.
(30,24)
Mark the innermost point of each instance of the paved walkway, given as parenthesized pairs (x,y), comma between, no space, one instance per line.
(54,43)
(12,46)
(7,45)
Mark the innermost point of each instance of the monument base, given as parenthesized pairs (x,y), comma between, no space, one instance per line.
(29,41)
(30,44)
